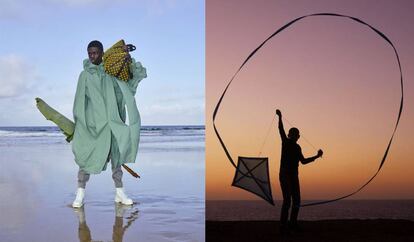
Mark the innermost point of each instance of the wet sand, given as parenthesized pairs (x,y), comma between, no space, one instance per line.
(323,230)
(38,181)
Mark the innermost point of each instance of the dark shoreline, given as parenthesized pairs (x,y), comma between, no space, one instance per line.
(323,230)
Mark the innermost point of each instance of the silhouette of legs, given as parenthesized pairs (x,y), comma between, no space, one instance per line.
(289,183)
(286,192)
(295,199)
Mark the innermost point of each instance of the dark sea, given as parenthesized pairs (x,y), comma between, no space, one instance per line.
(345,209)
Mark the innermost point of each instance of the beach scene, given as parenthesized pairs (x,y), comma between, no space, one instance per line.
(38,181)
(325,90)
(49,50)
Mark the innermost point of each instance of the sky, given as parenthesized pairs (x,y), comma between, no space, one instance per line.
(43,45)
(334,79)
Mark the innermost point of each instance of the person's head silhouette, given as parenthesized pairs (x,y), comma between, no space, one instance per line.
(294,134)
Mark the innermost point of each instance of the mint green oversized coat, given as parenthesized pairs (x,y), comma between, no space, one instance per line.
(102,103)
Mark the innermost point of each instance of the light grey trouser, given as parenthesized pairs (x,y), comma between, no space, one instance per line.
(83,177)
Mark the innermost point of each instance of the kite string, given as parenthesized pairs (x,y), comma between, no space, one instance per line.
(302,136)
(267,135)
(268,132)
(216,109)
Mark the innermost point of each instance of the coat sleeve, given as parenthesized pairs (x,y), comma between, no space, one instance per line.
(138,73)
(79,103)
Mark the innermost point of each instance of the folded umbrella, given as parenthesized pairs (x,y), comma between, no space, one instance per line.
(66,125)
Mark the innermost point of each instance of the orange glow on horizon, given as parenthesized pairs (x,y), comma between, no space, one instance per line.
(334,80)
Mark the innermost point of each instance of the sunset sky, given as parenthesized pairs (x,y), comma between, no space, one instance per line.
(334,79)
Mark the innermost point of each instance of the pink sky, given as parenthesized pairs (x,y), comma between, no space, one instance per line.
(334,79)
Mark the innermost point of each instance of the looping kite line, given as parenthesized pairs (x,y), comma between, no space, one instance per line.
(260,46)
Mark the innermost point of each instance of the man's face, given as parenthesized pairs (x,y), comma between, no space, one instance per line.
(95,55)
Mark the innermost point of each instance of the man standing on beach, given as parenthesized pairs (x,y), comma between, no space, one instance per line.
(102,106)
(288,175)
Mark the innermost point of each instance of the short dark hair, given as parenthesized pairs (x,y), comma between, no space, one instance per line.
(97,44)
(293,131)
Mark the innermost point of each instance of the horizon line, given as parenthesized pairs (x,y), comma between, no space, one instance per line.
(19,126)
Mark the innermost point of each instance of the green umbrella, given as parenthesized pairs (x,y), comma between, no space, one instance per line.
(66,125)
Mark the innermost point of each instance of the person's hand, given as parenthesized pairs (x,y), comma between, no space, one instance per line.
(128,57)
(320,153)
(278,113)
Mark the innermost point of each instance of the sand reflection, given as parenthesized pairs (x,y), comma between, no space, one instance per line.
(85,235)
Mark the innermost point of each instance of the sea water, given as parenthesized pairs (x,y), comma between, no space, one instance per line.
(38,181)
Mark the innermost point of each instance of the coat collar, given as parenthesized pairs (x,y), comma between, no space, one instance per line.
(91,68)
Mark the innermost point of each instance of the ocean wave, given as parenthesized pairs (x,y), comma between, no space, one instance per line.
(146,131)
(5,133)
(172,127)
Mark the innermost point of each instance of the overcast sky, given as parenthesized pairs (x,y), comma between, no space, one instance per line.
(43,45)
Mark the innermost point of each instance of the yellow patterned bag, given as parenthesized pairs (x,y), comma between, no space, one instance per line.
(117,59)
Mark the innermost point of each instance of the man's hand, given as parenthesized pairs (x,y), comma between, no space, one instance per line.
(278,113)
(320,153)
(128,56)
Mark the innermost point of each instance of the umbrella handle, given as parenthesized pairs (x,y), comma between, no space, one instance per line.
(133,173)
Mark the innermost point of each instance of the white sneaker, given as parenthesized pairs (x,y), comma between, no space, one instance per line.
(80,194)
(121,197)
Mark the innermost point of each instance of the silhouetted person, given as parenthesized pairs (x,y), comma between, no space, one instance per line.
(288,175)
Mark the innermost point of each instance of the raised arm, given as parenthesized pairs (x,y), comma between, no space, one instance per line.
(281,129)
(304,160)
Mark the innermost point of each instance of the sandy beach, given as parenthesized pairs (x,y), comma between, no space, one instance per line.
(324,230)
(38,185)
